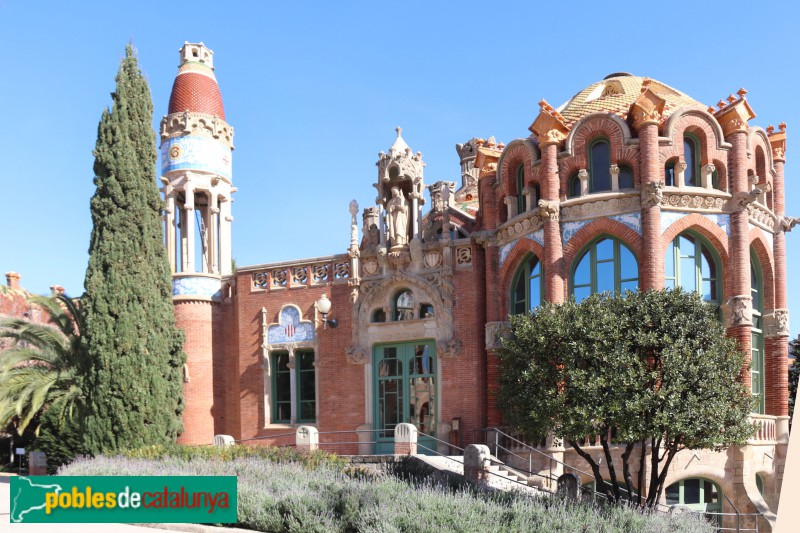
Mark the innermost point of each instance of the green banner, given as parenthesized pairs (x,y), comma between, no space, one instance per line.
(123,499)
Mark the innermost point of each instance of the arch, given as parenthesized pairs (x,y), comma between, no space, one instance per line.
(595,229)
(756,136)
(704,227)
(522,249)
(594,125)
(763,252)
(600,258)
(598,153)
(676,491)
(517,152)
(527,286)
(703,272)
(712,128)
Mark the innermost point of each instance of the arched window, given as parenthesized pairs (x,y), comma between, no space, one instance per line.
(522,205)
(691,155)
(625,178)
(757,334)
(691,264)
(527,290)
(574,186)
(600,166)
(669,174)
(696,493)
(605,265)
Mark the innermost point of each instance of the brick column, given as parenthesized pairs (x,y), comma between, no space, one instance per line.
(549,208)
(651,260)
(777,330)
(740,304)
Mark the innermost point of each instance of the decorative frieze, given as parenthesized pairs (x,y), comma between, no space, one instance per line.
(761,216)
(319,273)
(700,200)
(197,124)
(589,208)
(518,228)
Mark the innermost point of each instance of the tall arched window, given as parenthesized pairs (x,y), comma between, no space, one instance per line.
(757,334)
(691,155)
(605,265)
(574,186)
(522,205)
(527,290)
(600,166)
(691,264)
(697,494)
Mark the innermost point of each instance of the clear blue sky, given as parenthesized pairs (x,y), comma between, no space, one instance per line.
(314,92)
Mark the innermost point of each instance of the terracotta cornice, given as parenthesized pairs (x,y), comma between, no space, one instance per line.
(733,115)
(777,140)
(648,108)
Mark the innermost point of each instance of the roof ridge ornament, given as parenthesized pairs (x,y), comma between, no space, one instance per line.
(734,114)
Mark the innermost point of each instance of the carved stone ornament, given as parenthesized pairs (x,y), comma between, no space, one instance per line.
(527,225)
(742,199)
(786,223)
(590,208)
(549,125)
(652,193)
(370,266)
(448,348)
(777,323)
(495,333)
(761,216)
(549,209)
(198,124)
(647,109)
(741,310)
(694,200)
(399,258)
(356,355)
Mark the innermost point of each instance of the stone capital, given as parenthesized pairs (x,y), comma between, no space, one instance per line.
(495,333)
(776,323)
(738,311)
(549,126)
(647,109)
(777,140)
(734,115)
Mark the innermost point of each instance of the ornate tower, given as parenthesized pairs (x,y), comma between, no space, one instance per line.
(196,146)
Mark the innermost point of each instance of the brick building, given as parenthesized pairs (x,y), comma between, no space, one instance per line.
(630,183)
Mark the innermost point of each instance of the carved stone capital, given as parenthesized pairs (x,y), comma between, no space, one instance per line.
(647,109)
(356,355)
(776,323)
(733,117)
(742,199)
(448,348)
(549,126)
(495,333)
(549,209)
(652,193)
(739,311)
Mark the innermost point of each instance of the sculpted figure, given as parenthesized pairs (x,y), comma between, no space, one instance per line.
(398,218)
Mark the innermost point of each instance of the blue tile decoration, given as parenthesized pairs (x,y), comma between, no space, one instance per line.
(668,218)
(632,220)
(290,328)
(196,153)
(196,286)
(536,236)
(569,229)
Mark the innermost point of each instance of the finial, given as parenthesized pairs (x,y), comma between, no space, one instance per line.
(782,127)
(399,130)
(741,92)
(353,207)
(711,109)
(731,99)
(721,104)
(770,129)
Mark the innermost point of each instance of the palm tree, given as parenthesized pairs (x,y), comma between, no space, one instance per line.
(40,370)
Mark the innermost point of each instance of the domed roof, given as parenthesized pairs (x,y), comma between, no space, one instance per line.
(196,89)
(616,93)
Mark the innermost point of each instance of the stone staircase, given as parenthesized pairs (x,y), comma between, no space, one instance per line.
(502,476)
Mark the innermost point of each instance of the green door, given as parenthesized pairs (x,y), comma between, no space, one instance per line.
(405,391)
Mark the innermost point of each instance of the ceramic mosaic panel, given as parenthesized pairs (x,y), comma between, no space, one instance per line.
(569,229)
(199,286)
(668,218)
(290,328)
(195,153)
(632,220)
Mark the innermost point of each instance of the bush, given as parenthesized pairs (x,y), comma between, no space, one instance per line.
(287,496)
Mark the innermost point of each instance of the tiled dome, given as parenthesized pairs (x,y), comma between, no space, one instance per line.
(616,93)
(196,89)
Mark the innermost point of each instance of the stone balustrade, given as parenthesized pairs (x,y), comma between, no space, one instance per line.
(308,273)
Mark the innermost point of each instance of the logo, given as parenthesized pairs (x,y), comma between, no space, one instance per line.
(125,499)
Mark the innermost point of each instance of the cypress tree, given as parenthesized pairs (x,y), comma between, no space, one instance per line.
(133,349)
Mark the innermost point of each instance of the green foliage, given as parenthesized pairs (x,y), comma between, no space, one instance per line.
(276,454)
(39,371)
(649,367)
(60,440)
(794,373)
(284,497)
(133,375)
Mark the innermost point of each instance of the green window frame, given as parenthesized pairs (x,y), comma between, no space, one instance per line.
(757,334)
(522,204)
(605,264)
(527,289)
(599,165)
(669,174)
(301,408)
(691,263)
(691,156)
(698,494)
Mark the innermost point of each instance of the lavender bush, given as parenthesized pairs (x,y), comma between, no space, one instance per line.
(282,497)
